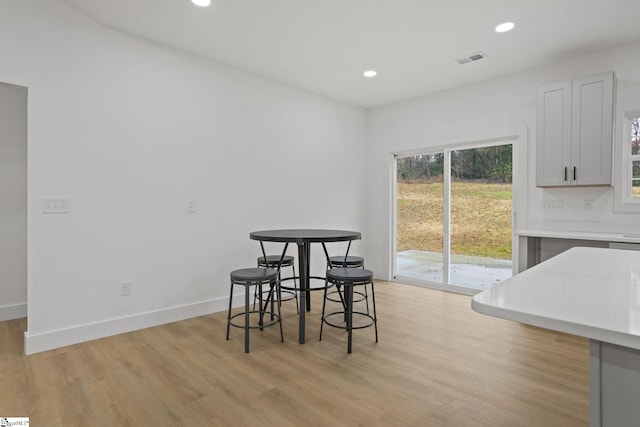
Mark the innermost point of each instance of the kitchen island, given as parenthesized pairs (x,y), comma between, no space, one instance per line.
(593,293)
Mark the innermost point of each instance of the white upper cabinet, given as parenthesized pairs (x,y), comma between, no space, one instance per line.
(575,132)
(553,134)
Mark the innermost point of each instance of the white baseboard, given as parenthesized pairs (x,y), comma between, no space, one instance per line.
(15,311)
(35,343)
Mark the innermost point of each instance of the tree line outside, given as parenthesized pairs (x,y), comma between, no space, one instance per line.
(488,164)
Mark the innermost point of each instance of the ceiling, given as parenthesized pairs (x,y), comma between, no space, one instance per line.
(325,46)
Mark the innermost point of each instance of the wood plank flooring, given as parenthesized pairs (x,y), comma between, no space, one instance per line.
(437,363)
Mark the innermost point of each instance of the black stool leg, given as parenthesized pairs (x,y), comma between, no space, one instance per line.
(246,319)
(270,296)
(262,305)
(255,295)
(344,297)
(349,296)
(375,317)
(278,295)
(271,299)
(278,287)
(324,303)
(229,312)
(255,290)
(366,296)
(295,292)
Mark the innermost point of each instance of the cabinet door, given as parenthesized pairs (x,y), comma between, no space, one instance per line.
(553,134)
(591,134)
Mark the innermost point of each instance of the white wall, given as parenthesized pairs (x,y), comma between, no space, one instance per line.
(130,131)
(13,205)
(494,107)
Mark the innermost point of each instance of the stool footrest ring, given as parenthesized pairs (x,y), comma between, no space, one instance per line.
(286,294)
(325,319)
(361,296)
(276,319)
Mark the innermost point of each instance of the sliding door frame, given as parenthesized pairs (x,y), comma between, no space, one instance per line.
(518,140)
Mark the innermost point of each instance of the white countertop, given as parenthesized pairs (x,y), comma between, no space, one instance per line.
(582,235)
(590,292)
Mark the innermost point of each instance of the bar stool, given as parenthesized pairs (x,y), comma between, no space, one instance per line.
(277,262)
(258,277)
(347,261)
(348,279)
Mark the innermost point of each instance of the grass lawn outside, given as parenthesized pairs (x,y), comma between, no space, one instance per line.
(480,218)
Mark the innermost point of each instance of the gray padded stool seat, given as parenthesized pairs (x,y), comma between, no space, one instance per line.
(273,260)
(348,279)
(351,261)
(257,277)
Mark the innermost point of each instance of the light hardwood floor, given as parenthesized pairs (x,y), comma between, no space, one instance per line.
(437,363)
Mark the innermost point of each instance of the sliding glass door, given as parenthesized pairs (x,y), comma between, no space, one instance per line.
(420,202)
(453,217)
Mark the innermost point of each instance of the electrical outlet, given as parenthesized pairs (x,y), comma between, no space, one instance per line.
(55,205)
(191,206)
(588,205)
(555,207)
(125,288)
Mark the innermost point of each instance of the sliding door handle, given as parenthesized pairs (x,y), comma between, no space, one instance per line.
(565,173)
(574,173)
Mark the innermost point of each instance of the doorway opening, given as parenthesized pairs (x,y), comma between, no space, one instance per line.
(13,193)
(453,213)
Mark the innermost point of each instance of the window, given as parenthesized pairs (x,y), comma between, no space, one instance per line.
(627,179)
(633,125)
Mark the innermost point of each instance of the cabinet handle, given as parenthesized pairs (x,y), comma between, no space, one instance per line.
(565,173)
(574,173)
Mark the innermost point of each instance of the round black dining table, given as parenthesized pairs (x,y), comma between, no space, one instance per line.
(303,238)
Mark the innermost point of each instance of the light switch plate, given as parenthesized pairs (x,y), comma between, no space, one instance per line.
(125,288)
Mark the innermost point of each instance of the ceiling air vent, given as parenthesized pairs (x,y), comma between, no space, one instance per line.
(471,58)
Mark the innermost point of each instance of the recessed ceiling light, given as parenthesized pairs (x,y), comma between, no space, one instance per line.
(504,27)
(202,3)
(370,73)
